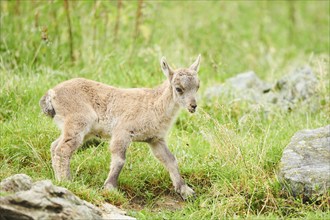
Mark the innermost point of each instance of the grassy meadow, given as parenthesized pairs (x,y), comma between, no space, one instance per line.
(230,163)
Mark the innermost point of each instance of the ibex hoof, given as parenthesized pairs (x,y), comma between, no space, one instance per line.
(186,192)
(63,176)
(109,187)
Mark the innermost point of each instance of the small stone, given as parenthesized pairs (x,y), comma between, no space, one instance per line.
(16,183)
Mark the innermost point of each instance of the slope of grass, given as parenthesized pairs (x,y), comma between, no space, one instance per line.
(231,164)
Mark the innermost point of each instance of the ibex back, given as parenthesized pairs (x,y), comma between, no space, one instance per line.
(84,108)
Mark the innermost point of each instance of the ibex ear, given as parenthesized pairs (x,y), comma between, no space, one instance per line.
(195,65)
(166,68)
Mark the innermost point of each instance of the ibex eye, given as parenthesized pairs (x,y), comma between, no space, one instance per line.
(179,90)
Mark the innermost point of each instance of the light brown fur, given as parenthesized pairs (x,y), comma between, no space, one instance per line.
(83,108)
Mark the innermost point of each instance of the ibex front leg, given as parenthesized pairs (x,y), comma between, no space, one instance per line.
(118,146)
(163,154)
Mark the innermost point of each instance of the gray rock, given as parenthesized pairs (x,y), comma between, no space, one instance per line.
(297,86)
(248,80)
(300,85)
(112,212)
(43,200)
(305,164)
(246,86)
(15,183)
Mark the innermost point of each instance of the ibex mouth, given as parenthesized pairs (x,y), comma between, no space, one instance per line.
(192,110)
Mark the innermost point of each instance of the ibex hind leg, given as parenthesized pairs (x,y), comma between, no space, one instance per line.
(53,147)
(118,146)
(74,130)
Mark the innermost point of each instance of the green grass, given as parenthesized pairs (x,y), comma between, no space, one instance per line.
(232,164)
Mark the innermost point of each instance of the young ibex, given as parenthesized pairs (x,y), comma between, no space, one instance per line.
(83,108)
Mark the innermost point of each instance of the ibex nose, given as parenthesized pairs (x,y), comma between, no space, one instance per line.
(194,106)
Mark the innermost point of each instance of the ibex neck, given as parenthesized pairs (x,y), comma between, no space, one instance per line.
(165,102)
